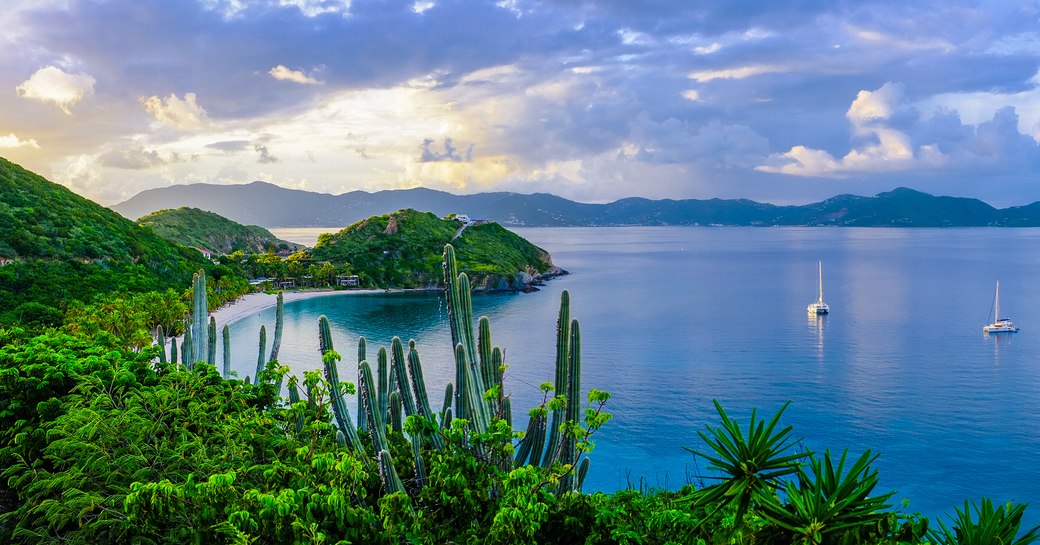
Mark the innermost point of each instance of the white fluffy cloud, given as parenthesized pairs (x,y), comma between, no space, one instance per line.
(281,72)
(883,148)
(12,141)
(183,114)
(52,84)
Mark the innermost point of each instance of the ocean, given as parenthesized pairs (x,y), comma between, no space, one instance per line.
(673,318)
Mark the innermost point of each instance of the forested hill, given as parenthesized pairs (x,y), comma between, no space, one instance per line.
(57,247)
(209,231)
(404,249)
(272,206)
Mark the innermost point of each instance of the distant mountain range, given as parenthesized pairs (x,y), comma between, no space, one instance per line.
(268,205)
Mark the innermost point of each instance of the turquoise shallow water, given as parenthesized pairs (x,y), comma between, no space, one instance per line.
(674,317)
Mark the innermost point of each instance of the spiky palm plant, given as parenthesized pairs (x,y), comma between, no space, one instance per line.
(994,526)
(753,465)
(828,499)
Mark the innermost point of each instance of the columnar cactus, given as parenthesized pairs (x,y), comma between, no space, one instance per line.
(279,311)
(469,379)
(226,334)
(329,357)
(367,388)
(400,374)
(187,350)
(260,364)
(211,342)
(563,324)
(160,341)
(569,455)
(200,311)
(388,474)
(362,424)
(422,400)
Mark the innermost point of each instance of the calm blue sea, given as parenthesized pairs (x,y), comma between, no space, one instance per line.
(674,317)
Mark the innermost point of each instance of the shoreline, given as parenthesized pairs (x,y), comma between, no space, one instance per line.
(253,303)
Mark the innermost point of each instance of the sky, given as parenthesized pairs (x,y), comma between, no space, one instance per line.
(786,102)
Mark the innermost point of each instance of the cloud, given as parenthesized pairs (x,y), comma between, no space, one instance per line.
(895,137)
(173,112)
(52,84)
(132,159)
(740,72)
(282,73)
(450,153)
(12,141)
(265,155)
(884,149)
(230,145)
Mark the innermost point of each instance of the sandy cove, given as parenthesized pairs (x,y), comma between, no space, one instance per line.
(252,303)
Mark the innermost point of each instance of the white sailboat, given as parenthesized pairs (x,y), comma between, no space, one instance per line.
(818,306)
(999,325)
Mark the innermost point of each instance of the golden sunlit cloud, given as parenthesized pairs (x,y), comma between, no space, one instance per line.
(52,84)
(172,111)
(281,72)
(12,141)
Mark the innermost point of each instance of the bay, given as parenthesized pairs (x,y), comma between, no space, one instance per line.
(675,317)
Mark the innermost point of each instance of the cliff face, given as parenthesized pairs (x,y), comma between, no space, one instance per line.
(404,249)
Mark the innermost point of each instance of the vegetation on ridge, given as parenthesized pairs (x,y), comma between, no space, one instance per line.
(208,231)
(57,247)
(403,249)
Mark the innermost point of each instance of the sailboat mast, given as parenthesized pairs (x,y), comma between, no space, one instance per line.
(996,304)
(821,282)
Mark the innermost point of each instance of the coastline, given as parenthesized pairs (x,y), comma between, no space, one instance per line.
(252,303)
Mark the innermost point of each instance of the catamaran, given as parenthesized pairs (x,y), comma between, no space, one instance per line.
(999,325)
(818,306)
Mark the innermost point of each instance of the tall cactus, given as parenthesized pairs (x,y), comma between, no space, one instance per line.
(388,474)
(362,423)
(226,334)
(200,311)
(570,454)
(469,380)
(563,323)
(188,350)
(400,373)
(367,388)
(211,342)
(279,311)
(422,400)
(382,379)
(160,341)
(329,357)
(260,364)
(173,351)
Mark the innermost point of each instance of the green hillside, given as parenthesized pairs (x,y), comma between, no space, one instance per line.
(206,230)
(57,247)
(403,249)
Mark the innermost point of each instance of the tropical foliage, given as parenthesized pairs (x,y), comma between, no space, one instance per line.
(403,249)
(57,247)
(201,229)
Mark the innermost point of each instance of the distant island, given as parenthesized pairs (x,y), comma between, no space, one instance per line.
(271,206)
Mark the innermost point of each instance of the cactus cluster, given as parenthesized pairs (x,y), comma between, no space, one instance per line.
(397,389)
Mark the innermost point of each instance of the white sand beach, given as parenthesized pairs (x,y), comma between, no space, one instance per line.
(252,303)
